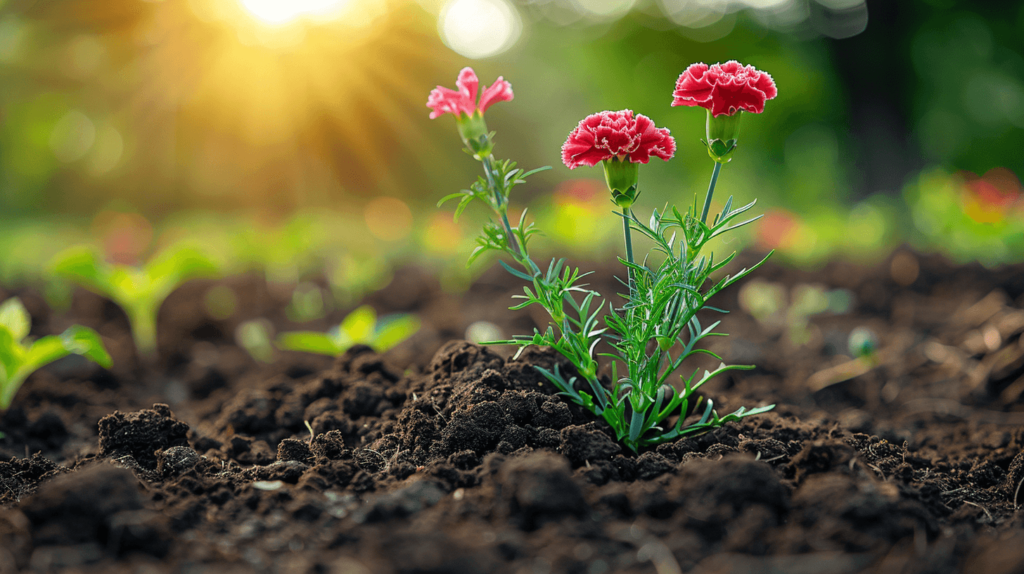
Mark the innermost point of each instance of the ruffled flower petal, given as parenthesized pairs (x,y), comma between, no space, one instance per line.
(692,87)
(724,88)
(616,134)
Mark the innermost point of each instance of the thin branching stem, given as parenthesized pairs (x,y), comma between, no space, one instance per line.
(501,206)
(711,193)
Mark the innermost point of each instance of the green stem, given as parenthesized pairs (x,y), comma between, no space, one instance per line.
(10,388)
(627,235)
(711,193)
(143,323)
(500,206)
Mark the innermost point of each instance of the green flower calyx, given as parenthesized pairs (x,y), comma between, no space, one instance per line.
(723,132)
(473,130)
(621,175)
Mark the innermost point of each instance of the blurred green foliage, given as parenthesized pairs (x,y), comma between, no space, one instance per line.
(20,356)
(139,291)
(155,109)
(361,326)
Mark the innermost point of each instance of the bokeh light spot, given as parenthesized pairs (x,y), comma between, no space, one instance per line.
(442,236)
(107,150)
(483,332)
(388,218)
(866,226)
(606,8)
(479,28)
(72,136)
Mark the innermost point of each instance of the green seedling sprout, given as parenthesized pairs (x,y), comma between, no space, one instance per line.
(656,329)
(20,357)
(138,291)
(359,327)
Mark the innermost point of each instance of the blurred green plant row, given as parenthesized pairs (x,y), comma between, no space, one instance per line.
(964,217)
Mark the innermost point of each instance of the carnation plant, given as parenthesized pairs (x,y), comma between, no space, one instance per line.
(138,291)
(655,327)
(20,357)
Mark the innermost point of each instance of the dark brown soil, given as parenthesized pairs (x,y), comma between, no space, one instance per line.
(444,456)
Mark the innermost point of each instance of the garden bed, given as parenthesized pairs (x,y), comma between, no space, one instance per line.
(444,456)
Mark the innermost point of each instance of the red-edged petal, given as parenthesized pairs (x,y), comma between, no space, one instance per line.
(766,84)
(693,87)
(588,158)
(724,88)
(653,141)
(500,91)
(730,96)
(615,134)
(731,68)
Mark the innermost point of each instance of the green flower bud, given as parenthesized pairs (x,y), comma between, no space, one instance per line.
(722,133)
(473,130)
(621,177)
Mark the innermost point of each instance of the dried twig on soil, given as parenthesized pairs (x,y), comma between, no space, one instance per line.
(987,513)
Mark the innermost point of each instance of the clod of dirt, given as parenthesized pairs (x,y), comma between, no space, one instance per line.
(463,358)
(294,449)
(717,492)
(329,446)
(139,435)
(400,503)
(861,510)
(97,510)
(18,476)
(478,428)
(538,487)
(585,443)
(176,460)
(822,456)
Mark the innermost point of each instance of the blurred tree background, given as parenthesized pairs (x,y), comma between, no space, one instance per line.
(266,107)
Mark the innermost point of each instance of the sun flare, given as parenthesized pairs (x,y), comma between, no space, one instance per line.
(279,12)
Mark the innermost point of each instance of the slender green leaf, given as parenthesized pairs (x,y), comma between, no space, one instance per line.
(393,330)
(86,342)
(358,326)
(310,342)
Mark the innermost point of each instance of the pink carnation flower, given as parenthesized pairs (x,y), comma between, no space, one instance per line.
(619,135)
(724,88)
(447,101)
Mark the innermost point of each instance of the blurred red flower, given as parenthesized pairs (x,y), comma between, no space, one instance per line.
(620,135)
(724,89)
(779,229)
(989,198)
(447,101)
